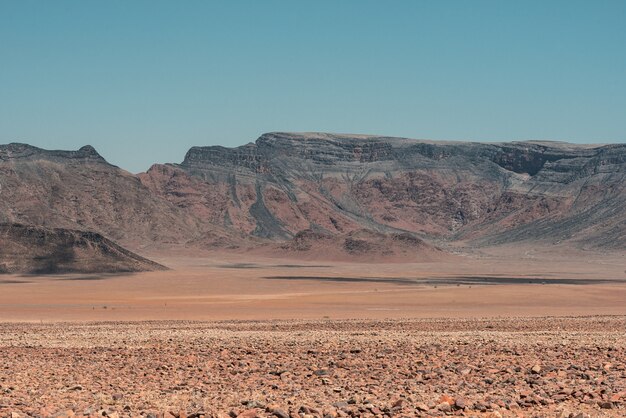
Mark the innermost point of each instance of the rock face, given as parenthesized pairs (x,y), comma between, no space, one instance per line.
(36,250)
(25,152)
(470,194)
(484,194)
(80,190)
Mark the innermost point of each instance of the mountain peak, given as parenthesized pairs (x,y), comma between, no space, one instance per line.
(87,151)
(21,151)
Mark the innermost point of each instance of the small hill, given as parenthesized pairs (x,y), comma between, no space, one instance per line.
(37,250)
(363,245)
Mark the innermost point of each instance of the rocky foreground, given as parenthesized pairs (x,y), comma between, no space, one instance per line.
(552,367)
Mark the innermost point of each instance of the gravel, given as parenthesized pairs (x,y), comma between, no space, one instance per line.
(527,367)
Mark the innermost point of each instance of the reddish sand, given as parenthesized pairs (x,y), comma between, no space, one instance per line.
(236,286)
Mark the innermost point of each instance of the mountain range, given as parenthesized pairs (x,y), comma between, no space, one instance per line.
(360,195)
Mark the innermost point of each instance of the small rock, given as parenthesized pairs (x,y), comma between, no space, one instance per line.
(536,369)
(251,404)
(459,403)
(444,407)
(279,413)
(513,405)
(422,407)
(250,413)
(397,404)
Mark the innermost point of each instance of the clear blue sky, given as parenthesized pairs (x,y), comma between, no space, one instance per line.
(142,81)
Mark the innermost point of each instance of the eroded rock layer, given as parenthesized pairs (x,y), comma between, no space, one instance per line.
(470,194)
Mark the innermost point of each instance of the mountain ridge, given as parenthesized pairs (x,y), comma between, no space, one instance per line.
(471,194)
(26,249)
(17,150)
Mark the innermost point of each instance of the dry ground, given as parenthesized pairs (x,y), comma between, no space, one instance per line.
(239,286)
(526,367)
(283,338)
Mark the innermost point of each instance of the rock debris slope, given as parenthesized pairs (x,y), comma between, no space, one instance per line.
(37,250)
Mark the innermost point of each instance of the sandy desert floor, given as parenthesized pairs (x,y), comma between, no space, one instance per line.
(227,335)
(236,286)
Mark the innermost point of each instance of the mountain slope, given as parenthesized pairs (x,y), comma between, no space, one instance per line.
(80,190)
(441,193)
(484,194)
(36,250)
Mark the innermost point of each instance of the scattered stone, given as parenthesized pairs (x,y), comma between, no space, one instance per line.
(250,413)
(279,413)
(205,370)
(605,405)
(422,407)
(444,407)
(459,402)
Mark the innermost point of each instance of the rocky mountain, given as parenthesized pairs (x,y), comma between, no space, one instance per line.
(37,250)
(80,190)
(478,193)
(270,191)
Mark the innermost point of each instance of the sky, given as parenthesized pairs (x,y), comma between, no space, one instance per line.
(142,81)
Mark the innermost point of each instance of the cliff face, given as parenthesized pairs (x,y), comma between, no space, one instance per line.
(340,152)
(476,194)
(25,152)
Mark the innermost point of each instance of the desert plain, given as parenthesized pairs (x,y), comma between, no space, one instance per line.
(202,268)
(497,334)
